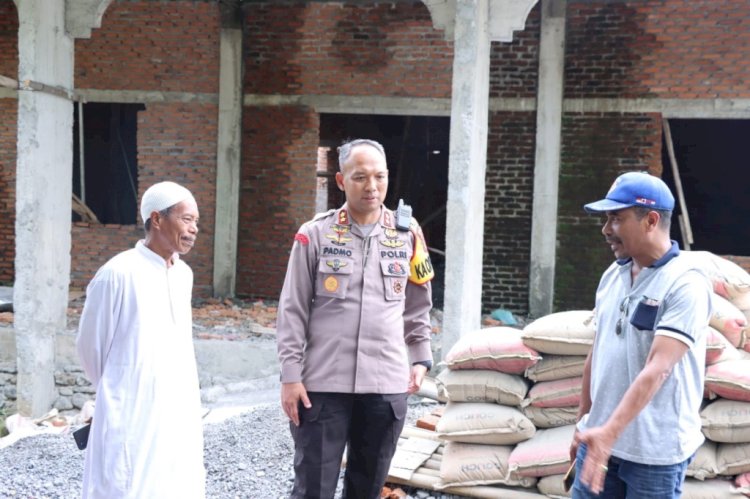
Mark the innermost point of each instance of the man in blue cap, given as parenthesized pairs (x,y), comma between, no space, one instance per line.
(638,420)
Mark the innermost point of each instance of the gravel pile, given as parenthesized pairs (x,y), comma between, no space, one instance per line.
(246,456)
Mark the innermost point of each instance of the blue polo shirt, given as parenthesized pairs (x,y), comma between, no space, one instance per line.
(669,298)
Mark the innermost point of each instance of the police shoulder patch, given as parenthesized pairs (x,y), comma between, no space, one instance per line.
(420,264)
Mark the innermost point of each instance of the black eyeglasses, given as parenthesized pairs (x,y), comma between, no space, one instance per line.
(623,315)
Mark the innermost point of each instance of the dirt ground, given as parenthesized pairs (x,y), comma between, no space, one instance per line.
(230,318)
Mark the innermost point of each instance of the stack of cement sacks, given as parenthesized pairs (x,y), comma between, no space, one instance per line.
(724,459)
(513,397)
(512,400)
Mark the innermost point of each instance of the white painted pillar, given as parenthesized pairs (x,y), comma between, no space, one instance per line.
(43,200)
(228,164)
(547,160)
(466,175)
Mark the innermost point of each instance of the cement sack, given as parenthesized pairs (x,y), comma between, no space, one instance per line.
(561,333)
(478,464)
(552,486)
(730,379)
(483,423)
(494,348)
(718,348)
(546,453)
(716,488)
(728,279)
(551,417)
(481,385)
(704,465)
(733,459)
(742,483)
(726,421)
(728,320)
(553,367)
(557,393)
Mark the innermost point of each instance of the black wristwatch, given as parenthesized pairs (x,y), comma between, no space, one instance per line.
(426,363)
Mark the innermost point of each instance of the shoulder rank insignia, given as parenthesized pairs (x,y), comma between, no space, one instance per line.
(420,264)
(344,217)
(336,264)
(387,218)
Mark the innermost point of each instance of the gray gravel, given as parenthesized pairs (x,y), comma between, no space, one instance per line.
(246,456)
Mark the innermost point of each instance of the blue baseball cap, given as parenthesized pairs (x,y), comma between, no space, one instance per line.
(634,189)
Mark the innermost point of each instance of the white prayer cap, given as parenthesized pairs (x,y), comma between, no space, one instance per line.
(161,196)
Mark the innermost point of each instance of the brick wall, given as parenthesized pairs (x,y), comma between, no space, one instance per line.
(669,49)
(8,132)
(279,153)
(8,111)
(92,245)
(514,65)
(168,46)
(507,204)
(384,48)
(596,148)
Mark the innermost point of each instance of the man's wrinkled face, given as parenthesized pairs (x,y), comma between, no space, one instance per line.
(364,179)
(178,231)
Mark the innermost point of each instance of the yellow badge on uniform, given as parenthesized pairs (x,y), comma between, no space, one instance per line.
(331,284)
(421,266)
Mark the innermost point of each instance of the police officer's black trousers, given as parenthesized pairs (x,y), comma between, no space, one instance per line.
(369,424)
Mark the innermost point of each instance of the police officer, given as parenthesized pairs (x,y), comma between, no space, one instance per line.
(353,332)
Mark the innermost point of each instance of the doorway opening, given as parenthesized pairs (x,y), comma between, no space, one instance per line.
(711,159)
(416,150)
(105,176)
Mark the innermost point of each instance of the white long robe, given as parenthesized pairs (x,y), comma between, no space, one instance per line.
(135,344)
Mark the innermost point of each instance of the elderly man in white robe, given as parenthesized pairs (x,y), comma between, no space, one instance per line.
(135,344)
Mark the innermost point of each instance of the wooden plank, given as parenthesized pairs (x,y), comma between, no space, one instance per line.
(8,82)
(428,482)
(411,431)
(84,211)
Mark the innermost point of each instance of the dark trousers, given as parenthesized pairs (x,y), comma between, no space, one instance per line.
(369,424)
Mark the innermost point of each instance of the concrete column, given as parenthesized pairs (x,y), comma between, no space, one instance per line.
(547,160)
(43,200)
(466,172)
(228,162)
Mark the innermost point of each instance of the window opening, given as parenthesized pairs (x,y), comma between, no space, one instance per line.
(712,159)
(109,189)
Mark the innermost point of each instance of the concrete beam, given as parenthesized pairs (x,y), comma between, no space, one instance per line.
(228,156)
(547,158)
(44,164)
(466,172)
(81,16)
(413,106)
